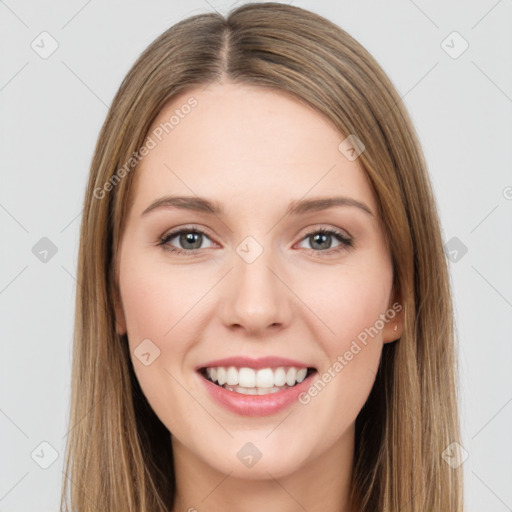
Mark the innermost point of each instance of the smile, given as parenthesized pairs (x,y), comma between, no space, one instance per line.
(262,397)
(249,381)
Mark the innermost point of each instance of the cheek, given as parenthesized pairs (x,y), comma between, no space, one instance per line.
(157,300)
(349,304)
(158,307)
(161,304)
(353,347)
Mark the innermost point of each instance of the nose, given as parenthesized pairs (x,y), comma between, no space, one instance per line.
(255,298)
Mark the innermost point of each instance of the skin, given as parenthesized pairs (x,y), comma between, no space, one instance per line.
(255,150)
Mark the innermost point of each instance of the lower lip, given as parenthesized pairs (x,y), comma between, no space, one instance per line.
(256,405)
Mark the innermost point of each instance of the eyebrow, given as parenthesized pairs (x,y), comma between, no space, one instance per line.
(200,204)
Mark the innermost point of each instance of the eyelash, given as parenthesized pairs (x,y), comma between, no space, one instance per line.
(346,243)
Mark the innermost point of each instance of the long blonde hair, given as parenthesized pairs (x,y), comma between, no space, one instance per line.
(119,454)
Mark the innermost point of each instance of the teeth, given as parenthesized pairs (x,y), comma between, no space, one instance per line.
(301,374)
(221,375)
(265,378)
(253,391)
(232,376)
(291,377)
(246,377)
(280,377)
(250,379)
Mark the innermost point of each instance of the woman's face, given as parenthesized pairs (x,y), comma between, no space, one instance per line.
(262,281)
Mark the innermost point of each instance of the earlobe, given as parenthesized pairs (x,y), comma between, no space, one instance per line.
(393,331)
(394,326)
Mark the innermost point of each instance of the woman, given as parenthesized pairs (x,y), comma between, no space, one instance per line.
(300,354)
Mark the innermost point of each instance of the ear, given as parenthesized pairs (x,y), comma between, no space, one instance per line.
(119,312)
(394,326)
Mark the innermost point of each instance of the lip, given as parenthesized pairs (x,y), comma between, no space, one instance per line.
(247,362)
(256,405)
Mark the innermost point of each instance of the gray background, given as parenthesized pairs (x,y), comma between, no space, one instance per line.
(51,112)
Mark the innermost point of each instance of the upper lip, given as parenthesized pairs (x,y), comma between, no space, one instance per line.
(247,362)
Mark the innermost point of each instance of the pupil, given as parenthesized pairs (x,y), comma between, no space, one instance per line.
(323,237)
(189,238)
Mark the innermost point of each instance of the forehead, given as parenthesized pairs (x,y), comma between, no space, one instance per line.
(246,143)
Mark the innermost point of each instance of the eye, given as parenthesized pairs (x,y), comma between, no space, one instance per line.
(321,240)
(189,238)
